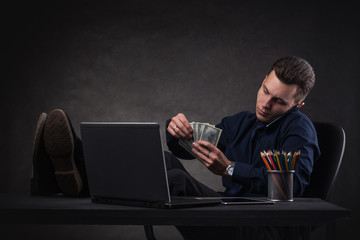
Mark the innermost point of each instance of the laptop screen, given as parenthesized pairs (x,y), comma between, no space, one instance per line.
(125,161)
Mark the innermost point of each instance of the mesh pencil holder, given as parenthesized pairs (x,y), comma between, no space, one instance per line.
(280,185)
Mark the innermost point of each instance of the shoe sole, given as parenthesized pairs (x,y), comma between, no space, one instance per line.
(59,144)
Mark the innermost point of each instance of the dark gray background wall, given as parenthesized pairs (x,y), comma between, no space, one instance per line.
(148,60)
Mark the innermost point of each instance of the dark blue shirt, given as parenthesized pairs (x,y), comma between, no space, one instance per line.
(244,137)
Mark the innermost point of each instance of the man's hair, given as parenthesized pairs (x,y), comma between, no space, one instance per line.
(295,70)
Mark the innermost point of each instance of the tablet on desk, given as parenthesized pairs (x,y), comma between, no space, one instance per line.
(240,200)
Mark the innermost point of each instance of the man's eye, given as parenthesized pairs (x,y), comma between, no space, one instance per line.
(281,102)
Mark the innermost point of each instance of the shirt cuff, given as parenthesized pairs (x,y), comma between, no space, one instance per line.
(242,172)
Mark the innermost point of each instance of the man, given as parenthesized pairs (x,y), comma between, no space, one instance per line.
(276,124)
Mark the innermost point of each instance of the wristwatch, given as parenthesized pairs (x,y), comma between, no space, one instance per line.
(230,169)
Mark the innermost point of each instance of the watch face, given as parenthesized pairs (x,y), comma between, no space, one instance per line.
(230,171)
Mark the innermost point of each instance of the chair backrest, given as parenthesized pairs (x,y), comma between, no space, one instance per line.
(331,140)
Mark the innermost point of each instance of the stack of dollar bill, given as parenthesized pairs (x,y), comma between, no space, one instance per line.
(201,131)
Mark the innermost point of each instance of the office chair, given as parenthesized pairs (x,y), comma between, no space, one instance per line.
(331,139)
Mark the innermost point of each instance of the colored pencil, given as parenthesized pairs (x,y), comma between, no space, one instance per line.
(278,161)
(266,163)
(285,160)
(271,160)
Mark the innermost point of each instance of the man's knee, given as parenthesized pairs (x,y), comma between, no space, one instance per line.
(176,175)
(177,179)
(172,162)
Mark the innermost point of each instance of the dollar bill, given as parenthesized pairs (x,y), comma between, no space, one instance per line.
(211,134)
(201,131)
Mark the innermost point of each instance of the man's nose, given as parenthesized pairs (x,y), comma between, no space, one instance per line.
(267,103)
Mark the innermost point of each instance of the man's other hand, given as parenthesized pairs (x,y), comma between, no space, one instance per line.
(212,157)
(180,127)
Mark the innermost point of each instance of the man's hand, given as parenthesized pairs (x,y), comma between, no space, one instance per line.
(214,159)
(180,127)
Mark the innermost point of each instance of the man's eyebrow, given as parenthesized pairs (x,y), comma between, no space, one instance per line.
(264,86)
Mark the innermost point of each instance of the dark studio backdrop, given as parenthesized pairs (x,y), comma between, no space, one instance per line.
(149,60)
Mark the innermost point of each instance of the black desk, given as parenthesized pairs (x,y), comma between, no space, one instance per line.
(304,212)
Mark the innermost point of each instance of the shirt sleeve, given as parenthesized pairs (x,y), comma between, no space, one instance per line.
(303,137)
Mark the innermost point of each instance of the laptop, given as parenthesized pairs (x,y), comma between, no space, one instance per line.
(125,165)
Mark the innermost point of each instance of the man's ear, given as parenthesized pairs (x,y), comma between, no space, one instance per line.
(300,104)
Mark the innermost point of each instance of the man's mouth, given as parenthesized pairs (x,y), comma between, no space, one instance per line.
(261,112)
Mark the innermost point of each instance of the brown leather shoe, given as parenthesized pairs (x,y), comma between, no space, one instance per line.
(60,141)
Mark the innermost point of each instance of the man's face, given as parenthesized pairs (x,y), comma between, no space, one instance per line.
(274,98)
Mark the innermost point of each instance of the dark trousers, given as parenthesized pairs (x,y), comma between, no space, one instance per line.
(181,183)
